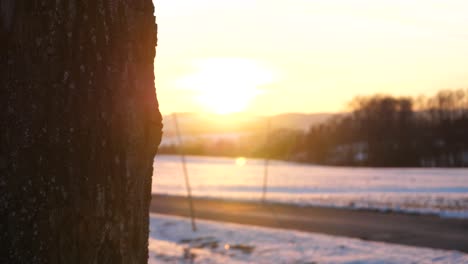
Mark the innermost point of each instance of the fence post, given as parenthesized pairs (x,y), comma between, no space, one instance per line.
(184,168)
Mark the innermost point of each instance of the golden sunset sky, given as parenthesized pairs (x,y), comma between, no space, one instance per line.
(267,57)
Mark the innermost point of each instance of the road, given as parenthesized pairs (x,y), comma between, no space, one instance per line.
(408,229)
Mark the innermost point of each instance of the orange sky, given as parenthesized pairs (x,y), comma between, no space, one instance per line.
(266,57)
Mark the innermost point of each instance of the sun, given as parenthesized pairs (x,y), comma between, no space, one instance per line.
(226,85)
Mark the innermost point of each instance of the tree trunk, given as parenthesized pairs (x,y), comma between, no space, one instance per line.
(79,129)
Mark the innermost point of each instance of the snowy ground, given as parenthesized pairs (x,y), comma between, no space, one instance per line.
(172,241)
(424,190)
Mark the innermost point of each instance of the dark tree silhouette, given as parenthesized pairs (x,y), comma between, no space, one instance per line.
(389,131)
(79,129)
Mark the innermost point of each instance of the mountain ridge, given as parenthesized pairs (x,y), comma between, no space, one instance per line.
(202,124)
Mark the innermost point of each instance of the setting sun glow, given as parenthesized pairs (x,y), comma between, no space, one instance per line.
(325,51)
(226,85)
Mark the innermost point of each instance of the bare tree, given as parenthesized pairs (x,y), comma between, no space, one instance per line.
(79,129)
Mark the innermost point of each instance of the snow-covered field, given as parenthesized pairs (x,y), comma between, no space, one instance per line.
(172,241)
(425,190)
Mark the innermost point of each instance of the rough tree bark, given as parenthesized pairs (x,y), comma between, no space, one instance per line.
(80,126)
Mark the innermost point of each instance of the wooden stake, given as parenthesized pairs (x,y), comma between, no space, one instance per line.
(184,168)
(267,156)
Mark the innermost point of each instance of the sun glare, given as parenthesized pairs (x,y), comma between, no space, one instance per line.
(241,161)
(226,85)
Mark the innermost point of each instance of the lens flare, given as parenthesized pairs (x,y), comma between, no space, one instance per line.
(241,161)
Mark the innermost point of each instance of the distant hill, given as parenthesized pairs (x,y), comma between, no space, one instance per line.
(206,124)
(298,120)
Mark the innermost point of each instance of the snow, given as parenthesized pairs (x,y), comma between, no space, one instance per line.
(438,191)
(172,241)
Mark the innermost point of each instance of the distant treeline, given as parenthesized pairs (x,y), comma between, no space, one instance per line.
(390,131)
(379,130)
